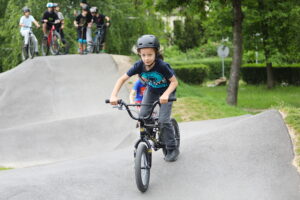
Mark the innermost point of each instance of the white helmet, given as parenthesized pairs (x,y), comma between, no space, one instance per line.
(94,10)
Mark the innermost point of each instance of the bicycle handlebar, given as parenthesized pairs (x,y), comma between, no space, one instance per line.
(122,103)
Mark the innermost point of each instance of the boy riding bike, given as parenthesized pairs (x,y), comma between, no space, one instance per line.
(49,18)
(101,21)
(161,85)
(26,24)
(82,22)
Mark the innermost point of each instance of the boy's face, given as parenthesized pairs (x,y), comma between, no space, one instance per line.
(50,9)
(84,13)
(57,9)
(147,55)
(27,14)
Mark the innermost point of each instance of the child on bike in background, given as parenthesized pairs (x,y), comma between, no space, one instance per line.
(137,92)
(49,18)
(81,22)
(26,24)
(61,25)
(101,21)
(161,85)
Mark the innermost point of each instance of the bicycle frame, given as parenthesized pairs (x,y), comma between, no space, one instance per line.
(50,35)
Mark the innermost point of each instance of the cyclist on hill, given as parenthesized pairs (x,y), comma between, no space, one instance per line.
(161,84)
(101,21)
(25,24)
(81,22)
(61,25)
(48,19)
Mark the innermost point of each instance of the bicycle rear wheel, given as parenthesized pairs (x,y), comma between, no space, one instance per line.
(31,48)
(142,167)
(176,135)
(54,45)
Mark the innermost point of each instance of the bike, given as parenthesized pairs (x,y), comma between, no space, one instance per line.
(97,43)
(30,50)
(52,43)
(150,138)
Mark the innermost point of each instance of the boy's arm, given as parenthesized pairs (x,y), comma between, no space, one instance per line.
(36,23)
(173,84)
(118,85)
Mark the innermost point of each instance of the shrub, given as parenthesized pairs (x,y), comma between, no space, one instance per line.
(194,74)
(257,74)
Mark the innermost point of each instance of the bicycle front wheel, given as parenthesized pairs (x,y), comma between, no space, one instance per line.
(142,167)
(24,53)
(31,48)
(45,48)
(54,45)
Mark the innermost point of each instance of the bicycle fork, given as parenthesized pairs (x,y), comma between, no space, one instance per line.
(143,139)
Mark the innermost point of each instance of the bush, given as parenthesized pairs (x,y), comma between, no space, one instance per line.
(194,74)
(257,74)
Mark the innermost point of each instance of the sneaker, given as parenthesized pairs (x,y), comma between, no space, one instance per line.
(36,53)
(45,37)
(172,155)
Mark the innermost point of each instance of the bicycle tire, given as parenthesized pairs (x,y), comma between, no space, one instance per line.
(31,47)
(97,46)
(23,53)
(176,132)
(142,167)
(45,48)
(54,45)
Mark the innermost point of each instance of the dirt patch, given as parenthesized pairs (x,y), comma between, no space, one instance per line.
(294,141)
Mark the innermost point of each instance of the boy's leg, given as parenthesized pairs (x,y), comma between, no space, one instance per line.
(166,127)
(167,130)
(25,34)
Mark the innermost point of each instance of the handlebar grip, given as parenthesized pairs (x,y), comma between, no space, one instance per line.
(172,99)
(108,101)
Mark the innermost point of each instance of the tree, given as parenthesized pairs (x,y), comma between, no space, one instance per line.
(232,91)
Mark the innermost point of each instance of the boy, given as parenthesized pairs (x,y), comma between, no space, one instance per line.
(81,22)
(25,24)
(99,20)
(161,85)
(49,18)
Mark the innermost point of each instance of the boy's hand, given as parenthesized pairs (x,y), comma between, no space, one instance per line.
(164,99)
(45,20)
(114,100)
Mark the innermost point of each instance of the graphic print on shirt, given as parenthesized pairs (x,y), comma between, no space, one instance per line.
(154,79)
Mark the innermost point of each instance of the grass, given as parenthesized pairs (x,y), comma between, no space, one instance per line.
(2,168)
(198,102)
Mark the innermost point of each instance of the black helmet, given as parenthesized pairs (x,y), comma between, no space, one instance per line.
(83,1)
(25,9)
(147,41)
(85,7)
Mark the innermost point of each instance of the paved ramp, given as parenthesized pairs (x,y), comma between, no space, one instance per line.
(246,157)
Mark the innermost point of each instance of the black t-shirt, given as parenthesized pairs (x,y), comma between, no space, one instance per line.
(157,79)
(100,20)
(83,20)
(50,16)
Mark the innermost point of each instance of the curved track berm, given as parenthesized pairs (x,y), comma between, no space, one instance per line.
(53,113)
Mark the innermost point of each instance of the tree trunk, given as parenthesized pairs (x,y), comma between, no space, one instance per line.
(265,43)
(270,78)
(232,91)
